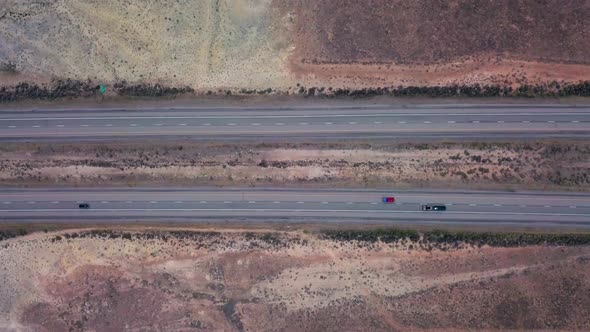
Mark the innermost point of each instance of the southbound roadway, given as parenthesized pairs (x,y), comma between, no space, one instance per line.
(294,205)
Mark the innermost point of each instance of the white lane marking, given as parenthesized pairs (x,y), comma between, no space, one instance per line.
(158,124)
(401,122)
(292,116)
(177,202)
(182,124)
(475,121)
(572,206)
(108,125)
(231,124)
(303,123)
(522,205)
(84,125)
(255,124)
(11,126)
(300,202)
(36,126)
(54,202)
(472,204)
(449,204)
(206,124)
(500,121)
(373,203)
(279,124)
(226,202)
(104,202)
(547,206)
(316,210)
(129,202)
(133,125)
(324,202)
(328,123)
(275,202)
(251,202)
(551,121)
(353,123)
(349,203)
(153,202)
(575,121)
(202,202)
(525,121)
(31,202)
(60,126)
(450,121)
(377,122)
(497,204)
(426,121)
(6,202)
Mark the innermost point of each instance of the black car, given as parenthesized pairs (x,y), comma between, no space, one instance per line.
(84,206)
(438,207)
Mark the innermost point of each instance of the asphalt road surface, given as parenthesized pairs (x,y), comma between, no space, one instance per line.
(350,122)
(559,209)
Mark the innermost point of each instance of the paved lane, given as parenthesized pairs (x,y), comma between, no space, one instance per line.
(327,205)
(523,121)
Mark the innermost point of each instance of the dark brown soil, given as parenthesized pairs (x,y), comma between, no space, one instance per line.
(426,32)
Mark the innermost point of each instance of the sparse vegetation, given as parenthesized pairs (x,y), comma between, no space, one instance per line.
(552,164)
(8,234)
(552,89)
(8,67)
(438,237)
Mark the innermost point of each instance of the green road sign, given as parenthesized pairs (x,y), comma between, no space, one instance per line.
(103,88)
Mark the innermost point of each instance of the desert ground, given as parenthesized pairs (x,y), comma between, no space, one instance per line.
(274,276)
(279,46)
(540,165)
(238,280)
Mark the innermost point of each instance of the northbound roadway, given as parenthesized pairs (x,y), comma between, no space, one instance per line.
(563,209)
(467,121)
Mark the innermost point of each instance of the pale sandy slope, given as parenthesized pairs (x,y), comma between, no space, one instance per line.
(204,44)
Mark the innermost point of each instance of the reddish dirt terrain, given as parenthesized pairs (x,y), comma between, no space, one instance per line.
(405,42)
(424,32)
(285,281)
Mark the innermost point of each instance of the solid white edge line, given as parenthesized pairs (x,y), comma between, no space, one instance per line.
(317,210)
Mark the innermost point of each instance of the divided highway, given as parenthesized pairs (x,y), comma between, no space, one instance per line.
(293,205)
(238,123)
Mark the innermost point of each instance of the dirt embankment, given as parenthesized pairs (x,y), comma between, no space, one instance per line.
(288,281)
(540,165)
(438,42)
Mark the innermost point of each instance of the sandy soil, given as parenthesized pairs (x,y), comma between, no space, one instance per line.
(277,44)
(290,281)
(540,165)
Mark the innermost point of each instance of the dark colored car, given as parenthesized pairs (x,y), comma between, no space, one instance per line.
(388,199)
(428,207)
(84,206)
